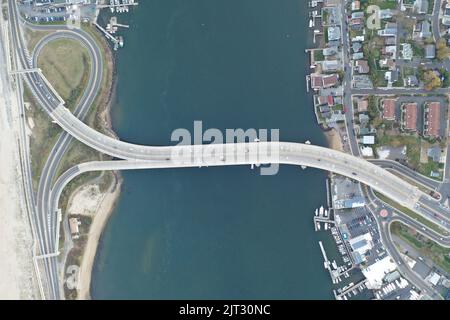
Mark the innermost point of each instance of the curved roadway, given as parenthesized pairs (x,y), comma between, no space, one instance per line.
(145,157)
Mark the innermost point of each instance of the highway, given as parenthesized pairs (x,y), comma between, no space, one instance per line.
(52,164)
(409,173)
(375,204)
(39,222)
(50,169)
(384,224)
(154,157)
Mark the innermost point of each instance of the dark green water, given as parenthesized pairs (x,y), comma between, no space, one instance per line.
(214,232)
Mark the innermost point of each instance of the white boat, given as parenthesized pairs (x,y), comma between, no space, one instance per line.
(321,211)
(326,226)
(307,142)
(316,212)
(325,213)
(334,264)
(318,225)
(311,23)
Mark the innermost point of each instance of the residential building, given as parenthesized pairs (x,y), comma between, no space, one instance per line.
(421,6)
(334,33)
(432,120)
(356,46)
(73,226)
(388,109)
(319,81)
(368,140)
(385,14)
(430,51)
(391,76)
(387,64)
(330,51)
(390,30)
(358,15)
(367,152)
(411,81)
(436,154)
(407,51)
(356,5)
(358,55)
(409,116)
(446,17)
(330,65)
(363,104)
(362,66)
(422,29)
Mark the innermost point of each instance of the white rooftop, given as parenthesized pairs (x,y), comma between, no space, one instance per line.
(377,271)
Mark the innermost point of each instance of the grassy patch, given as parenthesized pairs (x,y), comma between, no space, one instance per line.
(430,166)
(318,55)
(412,144)
(411,214)
(32,37)
(430,6)
(65,63)
(44,136)
(383,4)
(413,182)
(426,247)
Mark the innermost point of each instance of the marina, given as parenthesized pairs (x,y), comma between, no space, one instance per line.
(112,25)
(119,6)
(345,275)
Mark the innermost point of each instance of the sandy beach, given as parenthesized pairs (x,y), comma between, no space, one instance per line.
(16,264)
(87,199)
(103,204)
(334,140)
(16,260)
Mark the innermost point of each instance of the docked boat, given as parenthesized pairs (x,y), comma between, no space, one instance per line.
(321,211)
(311,23)
(318,225)
(325,213)
(316,212)
(326,226)
(334,264)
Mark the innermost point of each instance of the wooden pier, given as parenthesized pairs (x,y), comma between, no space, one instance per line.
(339,296)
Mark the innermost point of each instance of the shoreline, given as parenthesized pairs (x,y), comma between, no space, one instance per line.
(101,217)
(334,140)
(111,195)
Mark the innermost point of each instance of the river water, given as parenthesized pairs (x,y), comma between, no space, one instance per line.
(214,233)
